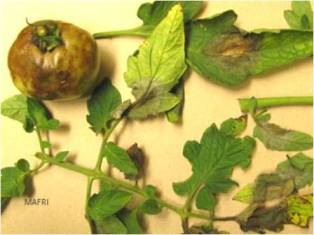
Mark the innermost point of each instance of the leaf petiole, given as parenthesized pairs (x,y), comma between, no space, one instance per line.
(137,31)
(245,103)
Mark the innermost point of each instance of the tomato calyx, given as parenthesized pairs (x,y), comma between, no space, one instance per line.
(46,35)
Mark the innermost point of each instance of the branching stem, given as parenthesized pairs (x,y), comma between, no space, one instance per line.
(96,174)
(42,149)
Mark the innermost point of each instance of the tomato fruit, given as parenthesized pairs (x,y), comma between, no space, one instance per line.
(54,60)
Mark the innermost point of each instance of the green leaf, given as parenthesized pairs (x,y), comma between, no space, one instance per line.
(12,182)
(61,156)
(149,74)
(51,124)
(205,199)
(104,100)
(234,126)
(246,194)
(28,125)
(109,225)
(40,116)
(150,206)
(154,106)
(213,160)
(300,210)
(153,13)
(301,15)
(130,218)
(15,108)
(277,138)
(262,117)
(174,115)
(29,112)
(227,55)
(119,158)
(23,165)
(150,190)
(107,203)
(45,144)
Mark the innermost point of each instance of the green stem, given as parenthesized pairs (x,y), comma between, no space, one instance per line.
(138,31)
(106,136)
(100,158)
(96,174)
(187,211)
(88,193)
(42,149)
(40,139)
(36,169)
(261,103)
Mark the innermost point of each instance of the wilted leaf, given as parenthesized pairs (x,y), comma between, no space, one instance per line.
(137,156)
(276,138)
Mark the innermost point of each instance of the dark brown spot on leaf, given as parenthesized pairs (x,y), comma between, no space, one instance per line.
(137,156)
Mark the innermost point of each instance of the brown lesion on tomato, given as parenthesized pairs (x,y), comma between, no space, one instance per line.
(63,79)
(237,45)
(233,45)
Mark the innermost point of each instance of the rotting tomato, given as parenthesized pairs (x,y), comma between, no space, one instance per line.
(54,60)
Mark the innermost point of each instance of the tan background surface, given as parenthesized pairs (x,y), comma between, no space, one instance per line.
(205,103)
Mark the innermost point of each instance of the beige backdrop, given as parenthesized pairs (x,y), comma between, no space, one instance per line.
(162,141)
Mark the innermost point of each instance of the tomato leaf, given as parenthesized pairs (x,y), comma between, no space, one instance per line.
(61,156)
(246,194)
(262,218)
(174,115)
(15,108)
(289,176)
(107,203)
(150,206)
(213,160)
(108,225)
(301,15)
(137,156)
(130,218)
(276,138)
(29,112)
(234,126)
(119,158)
(227,55)
(154,106)
(12,182)
(149,74)
(103,101)
(23,165)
